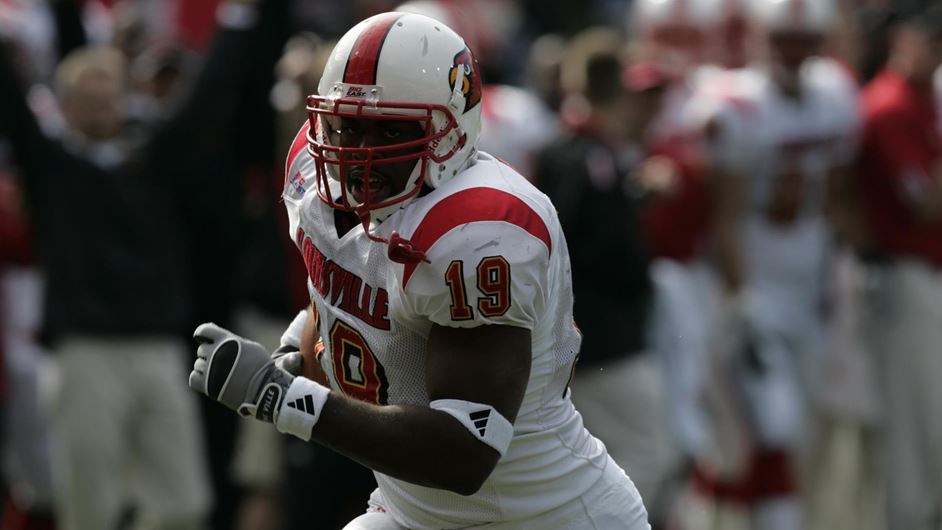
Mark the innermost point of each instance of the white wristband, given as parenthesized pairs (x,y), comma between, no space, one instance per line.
(483,421)
(301,408)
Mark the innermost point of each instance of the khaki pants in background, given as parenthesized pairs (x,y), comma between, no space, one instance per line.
(905,326)
(622,404)
(843,488)
(257,458)
(126,432)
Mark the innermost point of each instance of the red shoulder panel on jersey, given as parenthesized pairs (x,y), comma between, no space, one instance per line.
(364,57)
(298,145)
(471,205)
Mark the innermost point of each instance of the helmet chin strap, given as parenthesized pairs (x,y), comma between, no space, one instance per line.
(456,103)
(401,250)
(398,248)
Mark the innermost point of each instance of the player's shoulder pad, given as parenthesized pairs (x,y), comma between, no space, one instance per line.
(298,147)
(830,75)
(298,166)
(489,207)
(490,237)
(480,220)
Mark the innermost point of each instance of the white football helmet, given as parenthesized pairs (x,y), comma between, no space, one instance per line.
(810,16)
(675,33)
(794,30)
(405,67)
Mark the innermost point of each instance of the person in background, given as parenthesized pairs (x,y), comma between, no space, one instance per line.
(106,211)
(25,444)
(94,333)
(777,142)
(591,174)
(543,70)
(875,25)
(900,191)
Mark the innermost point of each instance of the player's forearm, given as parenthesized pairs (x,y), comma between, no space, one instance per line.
(729,261)
(727,225)
(416,444)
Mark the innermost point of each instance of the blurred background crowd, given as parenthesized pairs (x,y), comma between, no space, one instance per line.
(751,191)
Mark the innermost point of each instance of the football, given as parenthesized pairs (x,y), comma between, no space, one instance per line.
(312,348)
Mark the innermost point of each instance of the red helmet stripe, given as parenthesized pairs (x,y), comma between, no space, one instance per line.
(364,56)
(471,205)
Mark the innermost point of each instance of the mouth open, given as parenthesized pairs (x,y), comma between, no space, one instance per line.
(378,186)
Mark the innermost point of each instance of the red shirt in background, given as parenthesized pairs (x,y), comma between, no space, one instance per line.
(675,224)
(195,22)
(901,144)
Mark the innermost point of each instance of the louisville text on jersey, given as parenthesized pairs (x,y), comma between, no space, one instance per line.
(344,289)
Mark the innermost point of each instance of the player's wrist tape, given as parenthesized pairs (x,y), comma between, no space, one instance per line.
(291,338)
(483,421)
(301,408)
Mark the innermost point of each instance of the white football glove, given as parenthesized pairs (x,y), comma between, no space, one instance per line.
(238,373)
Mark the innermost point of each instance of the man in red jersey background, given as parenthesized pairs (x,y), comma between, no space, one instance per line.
(900,183)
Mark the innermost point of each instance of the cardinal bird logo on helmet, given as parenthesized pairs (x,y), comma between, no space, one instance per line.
(471,84)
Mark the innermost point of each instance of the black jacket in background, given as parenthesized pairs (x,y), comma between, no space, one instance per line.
(600,218)
(120,246)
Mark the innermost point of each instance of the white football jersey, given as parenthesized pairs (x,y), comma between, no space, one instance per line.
(678,120)
(497,256)
(772,141)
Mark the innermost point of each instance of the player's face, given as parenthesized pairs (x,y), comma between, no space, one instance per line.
(677,47)
(385,180)
(927,55)
(790,49)
(643,108)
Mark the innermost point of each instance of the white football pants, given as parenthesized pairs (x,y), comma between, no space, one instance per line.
(613,503)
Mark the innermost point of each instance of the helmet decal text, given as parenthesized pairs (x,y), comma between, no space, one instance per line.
(356,92)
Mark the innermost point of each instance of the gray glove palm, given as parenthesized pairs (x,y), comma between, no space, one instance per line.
(239,373)
(288,359)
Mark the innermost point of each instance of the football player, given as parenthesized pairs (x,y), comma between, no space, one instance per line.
(680,37)
(440,278)
(777,141)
